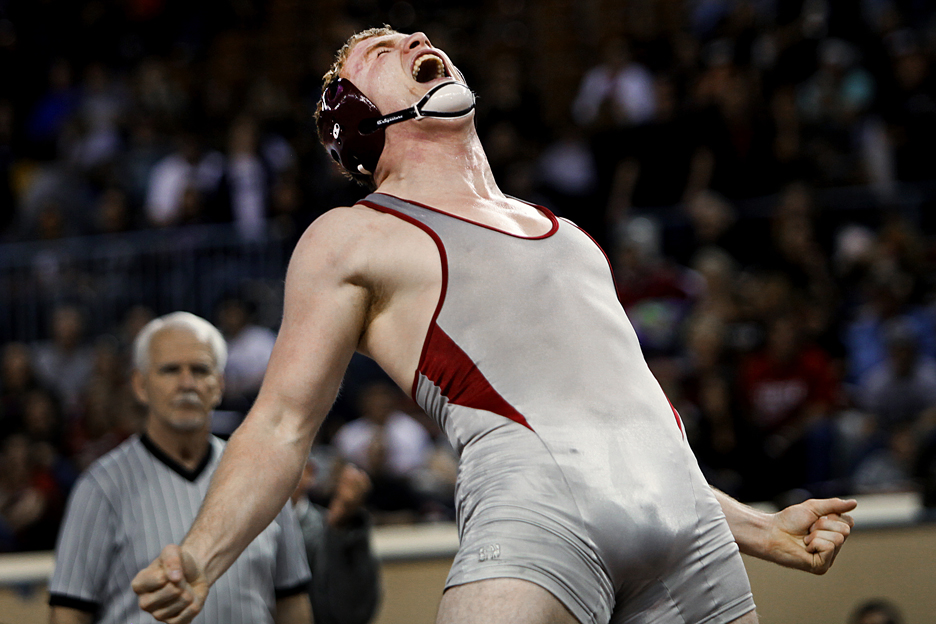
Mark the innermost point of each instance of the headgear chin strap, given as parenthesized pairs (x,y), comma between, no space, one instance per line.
(352,128)
(448,100)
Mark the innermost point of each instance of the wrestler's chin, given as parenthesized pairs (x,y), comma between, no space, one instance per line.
(439,126)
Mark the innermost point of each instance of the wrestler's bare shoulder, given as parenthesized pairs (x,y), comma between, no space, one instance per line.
(359,241)
(389,267)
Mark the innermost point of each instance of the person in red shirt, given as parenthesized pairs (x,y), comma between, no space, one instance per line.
(787,391)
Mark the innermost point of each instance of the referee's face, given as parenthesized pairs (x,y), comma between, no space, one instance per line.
(182,384)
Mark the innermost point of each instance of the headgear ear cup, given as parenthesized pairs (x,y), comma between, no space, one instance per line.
(352,128)
(343,108)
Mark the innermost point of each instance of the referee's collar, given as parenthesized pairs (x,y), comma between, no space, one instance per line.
(182,471)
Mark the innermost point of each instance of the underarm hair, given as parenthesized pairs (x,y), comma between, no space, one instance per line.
(377,299)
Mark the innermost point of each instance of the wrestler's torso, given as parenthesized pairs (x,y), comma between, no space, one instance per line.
(399,264)
(518,347)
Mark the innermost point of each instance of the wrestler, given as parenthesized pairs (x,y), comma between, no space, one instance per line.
(578,499)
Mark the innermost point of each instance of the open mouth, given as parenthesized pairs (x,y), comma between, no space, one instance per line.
(429,67)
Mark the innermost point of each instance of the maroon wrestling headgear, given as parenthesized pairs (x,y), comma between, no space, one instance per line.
(344,107)
(352,128)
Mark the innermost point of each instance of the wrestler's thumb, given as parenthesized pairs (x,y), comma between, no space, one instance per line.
(171,560)
(189,566)
(826,506)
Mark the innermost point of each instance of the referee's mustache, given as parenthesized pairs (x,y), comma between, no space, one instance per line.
(187,399)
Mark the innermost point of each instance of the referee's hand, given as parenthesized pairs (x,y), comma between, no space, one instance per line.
(172,588)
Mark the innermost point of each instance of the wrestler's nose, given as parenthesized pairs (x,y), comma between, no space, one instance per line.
(415,40)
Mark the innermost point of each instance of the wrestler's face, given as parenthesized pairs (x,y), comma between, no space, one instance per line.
(395,71)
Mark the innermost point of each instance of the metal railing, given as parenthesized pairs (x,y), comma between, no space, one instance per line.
(187,268)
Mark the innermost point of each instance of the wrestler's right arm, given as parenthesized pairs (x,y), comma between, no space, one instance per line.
(807,536)
(327,298)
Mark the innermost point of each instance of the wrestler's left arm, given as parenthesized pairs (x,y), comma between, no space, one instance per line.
(807,536)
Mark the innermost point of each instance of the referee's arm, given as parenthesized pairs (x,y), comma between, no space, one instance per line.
(293,609)
(67,615)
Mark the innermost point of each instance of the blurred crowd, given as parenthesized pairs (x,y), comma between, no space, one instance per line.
(760,172)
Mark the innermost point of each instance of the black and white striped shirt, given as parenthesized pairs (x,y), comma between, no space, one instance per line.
(133,502)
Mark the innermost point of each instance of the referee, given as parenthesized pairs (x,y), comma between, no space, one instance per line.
(146,493)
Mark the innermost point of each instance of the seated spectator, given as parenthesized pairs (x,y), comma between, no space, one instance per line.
(54,108)
(388,444)
(618,91)
(909,107)
(109,413)
(65,362)
(706,402)
(345,587)
(899,389)
(787,391)
(833,103)
(44,425)
(184,186)
(30,502)
(877,611)
(248,179)
(17,380)
(887,295)
(889,467)
(656,292)
(249,348)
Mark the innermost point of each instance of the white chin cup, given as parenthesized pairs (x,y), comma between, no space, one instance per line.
(447,100)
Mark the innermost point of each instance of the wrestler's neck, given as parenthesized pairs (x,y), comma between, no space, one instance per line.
(448,171)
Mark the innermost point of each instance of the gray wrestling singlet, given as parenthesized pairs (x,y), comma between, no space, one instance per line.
(574,472)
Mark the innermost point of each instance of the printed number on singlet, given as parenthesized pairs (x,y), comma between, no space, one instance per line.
(490,551)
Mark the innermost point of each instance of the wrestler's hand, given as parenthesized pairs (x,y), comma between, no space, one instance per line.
(173,588)
(808,536)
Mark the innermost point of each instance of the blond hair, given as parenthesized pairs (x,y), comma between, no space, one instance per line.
(332,74)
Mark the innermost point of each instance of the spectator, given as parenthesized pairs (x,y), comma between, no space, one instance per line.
(617,92)
(249,180)
(898,390)
(887,293)
(663,162)
(787,391)
(95,130)
(53,110)
(388,444)
(876,611)
(707,405)
(183,187)
(889,466)
(910,108)
(109,413)
(112,212)
(656,293)
(249,347)
(833,103)
(30,501)
(17,380)
(44,426)
(345,587)
(65,362)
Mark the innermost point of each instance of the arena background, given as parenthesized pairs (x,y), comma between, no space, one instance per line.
(761,174)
